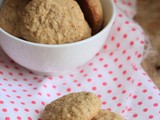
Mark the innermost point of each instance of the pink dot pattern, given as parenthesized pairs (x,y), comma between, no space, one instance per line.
(114,75)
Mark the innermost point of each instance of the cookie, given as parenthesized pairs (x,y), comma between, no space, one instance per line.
(10,13)
(74,106)
(93,13)
(54,22)
(107,115)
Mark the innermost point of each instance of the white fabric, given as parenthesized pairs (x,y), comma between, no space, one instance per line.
(114,74)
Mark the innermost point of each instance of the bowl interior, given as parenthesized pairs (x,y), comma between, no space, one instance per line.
(104,6)
(109,16)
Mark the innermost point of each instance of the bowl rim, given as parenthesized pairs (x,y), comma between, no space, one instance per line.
(109,24)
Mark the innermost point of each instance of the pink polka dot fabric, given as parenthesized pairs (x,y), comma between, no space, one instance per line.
(114,75)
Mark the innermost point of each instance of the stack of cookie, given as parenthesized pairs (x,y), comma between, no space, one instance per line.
(78,106)
(51,21)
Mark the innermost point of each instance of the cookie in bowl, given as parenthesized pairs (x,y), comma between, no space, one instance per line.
(93,13)
(10,13)
(54,22)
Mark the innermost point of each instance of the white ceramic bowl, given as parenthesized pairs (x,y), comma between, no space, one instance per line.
(57,59)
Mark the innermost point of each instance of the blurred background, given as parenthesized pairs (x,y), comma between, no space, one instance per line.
(148,16)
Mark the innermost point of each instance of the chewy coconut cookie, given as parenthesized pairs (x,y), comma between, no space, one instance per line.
(10,13)
(93,12)
(107,115)
(74,106)
(54,22)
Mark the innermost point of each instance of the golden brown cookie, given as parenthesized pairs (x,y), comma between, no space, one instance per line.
(93,13)
(10,13)
(107,115)
(54,22)
(74,106)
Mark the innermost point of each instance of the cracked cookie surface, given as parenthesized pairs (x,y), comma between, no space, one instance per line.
(74,106)
(54,22)
(10,13)
(107,115)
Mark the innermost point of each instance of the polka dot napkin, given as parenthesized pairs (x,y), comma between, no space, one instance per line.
(114,75)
